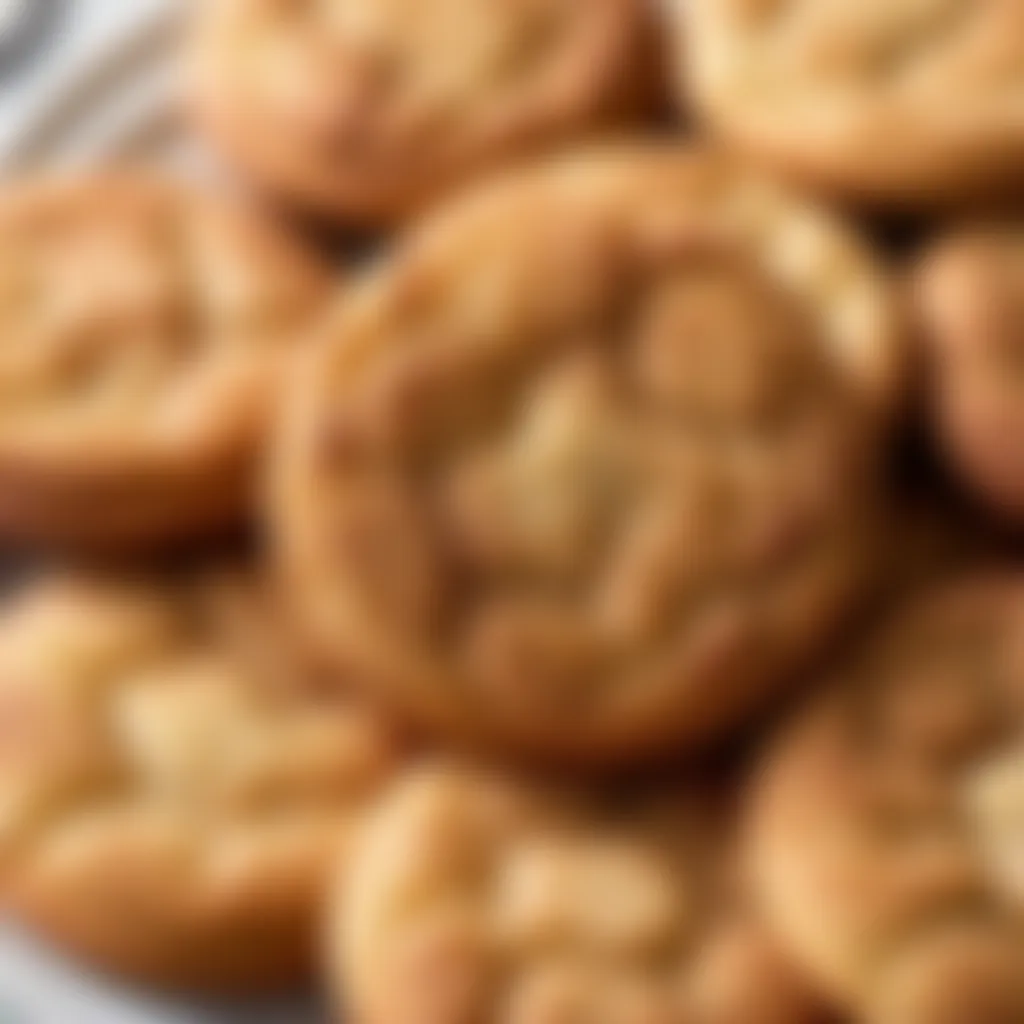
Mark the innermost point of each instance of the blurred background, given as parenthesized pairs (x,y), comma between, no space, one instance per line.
(80,76)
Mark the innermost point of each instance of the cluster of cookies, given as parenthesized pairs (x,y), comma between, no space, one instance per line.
(627,628)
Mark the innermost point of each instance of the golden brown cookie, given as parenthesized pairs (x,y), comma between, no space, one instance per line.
(891,102)
(144,330)
(581,472)
(476,898)
(362,111)
(888,826)
(970,293)
(170,804)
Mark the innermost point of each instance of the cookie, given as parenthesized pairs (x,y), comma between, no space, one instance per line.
(171,805)
(145,328)
(887,825)
(363,111)
(894,103)
(970,298)
(476,898)
(581,473)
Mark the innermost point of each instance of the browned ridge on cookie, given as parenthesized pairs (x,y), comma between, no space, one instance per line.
(970,299)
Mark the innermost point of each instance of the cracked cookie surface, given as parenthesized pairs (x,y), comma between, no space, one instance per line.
(582,472)
(892,102)
(144,327)
(171,805)
(887,829)
(362,111)
(475,898)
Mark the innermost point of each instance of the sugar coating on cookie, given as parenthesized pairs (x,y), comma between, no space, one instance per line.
(144,328)
(171,805)
(582,473)
(887,828)
(893,102)
(364,110)
(970,302)
(475,898)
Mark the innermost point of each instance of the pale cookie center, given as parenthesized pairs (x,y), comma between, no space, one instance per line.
(151,316)
(120,710)
(996,803)
(612,898)
(558,992)
(555,497)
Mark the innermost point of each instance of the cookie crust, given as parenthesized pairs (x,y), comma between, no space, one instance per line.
(477,898)
(534,402)
(970,300)
(363,111)
(896,104)
(145,327)
(886,826)
(173,804)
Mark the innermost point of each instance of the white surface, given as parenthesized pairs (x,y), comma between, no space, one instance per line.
(37,987)
(11,13)
(101,70)
(99,82)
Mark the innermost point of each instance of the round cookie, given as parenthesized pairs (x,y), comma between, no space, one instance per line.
(581,473)
(475,898)
(970,298)
(144,330)
(363,111)
(171,805)
(894,103)
(887,823)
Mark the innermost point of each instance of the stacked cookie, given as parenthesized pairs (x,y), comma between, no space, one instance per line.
(597,607)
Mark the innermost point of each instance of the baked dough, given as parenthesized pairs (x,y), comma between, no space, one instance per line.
(475,898)
(362,111)
(171,803)
(145,328)
(583,471)
(970,292)
(887,825)
(896,103)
